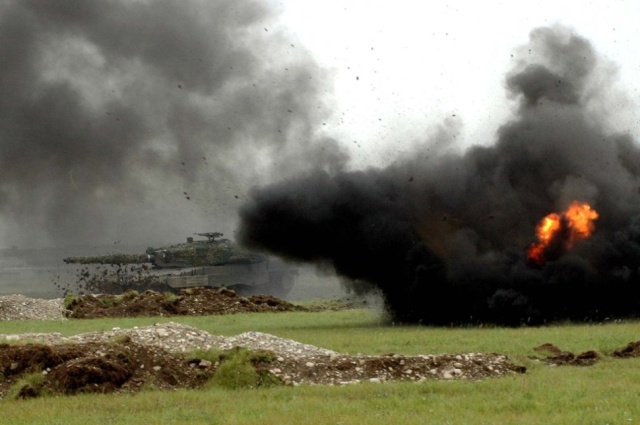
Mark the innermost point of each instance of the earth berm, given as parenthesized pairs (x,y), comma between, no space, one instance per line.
(162,356)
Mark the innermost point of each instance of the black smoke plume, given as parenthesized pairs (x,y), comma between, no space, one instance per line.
(142,121)
(445,238)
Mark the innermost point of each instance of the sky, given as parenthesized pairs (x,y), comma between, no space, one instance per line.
(402,68)
(143,122)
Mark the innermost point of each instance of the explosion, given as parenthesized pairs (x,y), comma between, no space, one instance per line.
(442,235)
(574,224)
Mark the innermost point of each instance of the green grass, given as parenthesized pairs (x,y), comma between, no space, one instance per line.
(604,393)
(360,331)
(236,370)
(35,381)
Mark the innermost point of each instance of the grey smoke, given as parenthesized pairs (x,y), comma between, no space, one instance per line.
(444,236)
(147,121)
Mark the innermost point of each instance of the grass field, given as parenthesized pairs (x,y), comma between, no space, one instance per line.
(604,393)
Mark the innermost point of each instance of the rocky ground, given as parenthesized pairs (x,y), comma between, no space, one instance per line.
(166,356)
(19,307)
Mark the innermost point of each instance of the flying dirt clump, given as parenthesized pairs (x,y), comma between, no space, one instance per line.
(445,237)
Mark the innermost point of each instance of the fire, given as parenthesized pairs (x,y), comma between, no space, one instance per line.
(575,223)
(546,230)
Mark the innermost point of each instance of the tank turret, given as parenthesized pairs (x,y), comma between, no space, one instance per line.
(214,251)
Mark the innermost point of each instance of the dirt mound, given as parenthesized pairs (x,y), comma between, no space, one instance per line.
(558,357)
(94,368)
(192,301)
(126,360)
(631,350)
(344,369)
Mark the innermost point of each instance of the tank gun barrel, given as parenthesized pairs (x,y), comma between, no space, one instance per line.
(117,259)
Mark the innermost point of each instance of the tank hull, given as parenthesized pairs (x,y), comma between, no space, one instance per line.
(272,277)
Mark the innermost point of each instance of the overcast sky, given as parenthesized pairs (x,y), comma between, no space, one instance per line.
(404,66)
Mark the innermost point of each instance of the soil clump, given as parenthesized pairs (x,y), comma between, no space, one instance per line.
(558,357)
(631,350)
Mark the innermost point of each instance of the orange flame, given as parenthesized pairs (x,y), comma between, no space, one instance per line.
(577,219)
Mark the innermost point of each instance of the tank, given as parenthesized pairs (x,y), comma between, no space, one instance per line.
(210,262)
